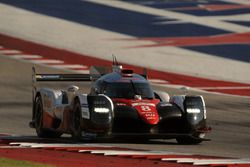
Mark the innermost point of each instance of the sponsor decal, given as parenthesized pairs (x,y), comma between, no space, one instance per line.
(166,104)
(149,115)
(49,76)
(143,104)
(85,111)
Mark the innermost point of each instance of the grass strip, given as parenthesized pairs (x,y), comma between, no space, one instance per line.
(6,162)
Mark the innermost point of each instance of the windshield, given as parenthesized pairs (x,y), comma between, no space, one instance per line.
(129,90)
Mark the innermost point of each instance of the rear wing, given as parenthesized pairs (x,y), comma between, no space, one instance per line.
(58,77)
(98,71)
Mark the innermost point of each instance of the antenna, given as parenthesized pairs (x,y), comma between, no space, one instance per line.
(113,59)
(115,62)
(116,66)
(145,73)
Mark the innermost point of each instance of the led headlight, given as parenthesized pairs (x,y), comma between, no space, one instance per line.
(193,110)
(101,110)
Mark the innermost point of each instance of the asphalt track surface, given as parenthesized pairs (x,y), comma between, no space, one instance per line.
(228,115)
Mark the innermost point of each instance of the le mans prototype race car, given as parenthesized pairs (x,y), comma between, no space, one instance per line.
(119,104)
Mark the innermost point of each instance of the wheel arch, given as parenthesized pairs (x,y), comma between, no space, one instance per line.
(38,94)
(162,96)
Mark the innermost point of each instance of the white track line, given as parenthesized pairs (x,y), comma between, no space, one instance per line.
(179,160)
(41,145)
(243,2)
(175,15)
(221,161)
(81,71)
(202,161)
(10,51)
(130,152)
(47,61)
(159,81)
(238,17)
(26,56)
(9,147)
(21,144)
(115,152)
(224,88)
(69,66)
(37,59)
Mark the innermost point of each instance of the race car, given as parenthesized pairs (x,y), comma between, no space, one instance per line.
(120,103)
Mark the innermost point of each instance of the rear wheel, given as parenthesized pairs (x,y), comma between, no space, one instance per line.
(41,132)
(76,122)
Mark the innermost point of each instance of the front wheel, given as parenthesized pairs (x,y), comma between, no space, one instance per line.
(195,139)
(41,132)
(76,122)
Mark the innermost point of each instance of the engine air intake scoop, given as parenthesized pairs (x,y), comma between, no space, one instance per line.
(127,72)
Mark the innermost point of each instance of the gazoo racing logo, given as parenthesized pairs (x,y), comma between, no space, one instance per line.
(143,104)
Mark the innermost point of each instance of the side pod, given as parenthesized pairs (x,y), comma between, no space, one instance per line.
(195,110)
(97,113)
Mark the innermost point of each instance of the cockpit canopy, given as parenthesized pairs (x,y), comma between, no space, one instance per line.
(128,90)
(115,85)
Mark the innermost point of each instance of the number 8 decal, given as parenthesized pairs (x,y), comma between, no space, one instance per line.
(145,108)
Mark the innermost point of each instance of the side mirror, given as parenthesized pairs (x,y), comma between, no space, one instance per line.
(96,91)
(73,88)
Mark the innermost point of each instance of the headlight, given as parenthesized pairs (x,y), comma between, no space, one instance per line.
(101,110)
(193,110)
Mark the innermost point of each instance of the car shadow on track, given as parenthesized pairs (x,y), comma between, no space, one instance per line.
(68,140)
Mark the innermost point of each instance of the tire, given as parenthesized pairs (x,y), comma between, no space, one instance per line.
(196,138)
(187,140)
(76,121)
(41,132)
